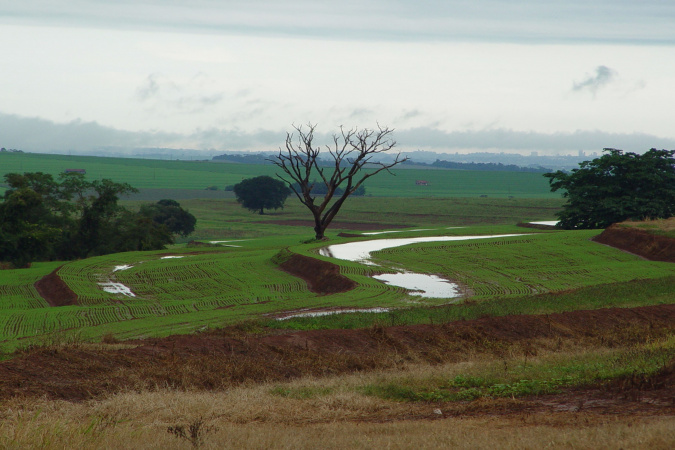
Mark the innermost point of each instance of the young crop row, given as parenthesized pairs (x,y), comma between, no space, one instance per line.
(526,265)
(17,287)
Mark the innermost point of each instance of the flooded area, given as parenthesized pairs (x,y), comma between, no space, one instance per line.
(360,251)
(423,285)
(112,287)
(420,284)
(332,312)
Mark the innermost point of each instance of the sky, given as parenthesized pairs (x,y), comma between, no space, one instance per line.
(447,75)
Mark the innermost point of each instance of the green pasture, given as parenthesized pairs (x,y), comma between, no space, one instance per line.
(196,176)
(239,281)
(226,219)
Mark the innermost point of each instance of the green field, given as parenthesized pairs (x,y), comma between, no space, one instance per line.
(222,285)
(240,281)
(198,175)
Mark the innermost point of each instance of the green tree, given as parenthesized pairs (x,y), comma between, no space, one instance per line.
(616,187)
(260,193)
(41,219)
(170,214)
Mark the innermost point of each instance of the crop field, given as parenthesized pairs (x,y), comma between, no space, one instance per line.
(525,265)
(185,289)
(198,175)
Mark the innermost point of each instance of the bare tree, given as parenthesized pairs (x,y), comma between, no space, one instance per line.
(349,163)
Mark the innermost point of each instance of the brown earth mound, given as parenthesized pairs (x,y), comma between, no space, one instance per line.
(639,242)
(55,291)
(219,359)
(322,277)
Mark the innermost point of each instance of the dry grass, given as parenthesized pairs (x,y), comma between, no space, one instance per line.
(329,412)
(144,421)
(663,225)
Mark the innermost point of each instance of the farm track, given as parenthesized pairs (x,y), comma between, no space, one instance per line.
(219,359)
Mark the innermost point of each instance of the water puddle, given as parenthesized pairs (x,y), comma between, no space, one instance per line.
(360,251)
(420,284)
(229,245)
(112,287)
(172,257)
(423,285)
(550,223)
(331,312)
(124,267)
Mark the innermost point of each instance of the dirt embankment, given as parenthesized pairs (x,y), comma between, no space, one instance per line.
(322,277)
(55,291)
(218,359)
(639,242)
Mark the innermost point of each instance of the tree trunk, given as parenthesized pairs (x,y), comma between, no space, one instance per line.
(319,228)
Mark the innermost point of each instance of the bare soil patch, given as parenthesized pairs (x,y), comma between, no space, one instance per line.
(322,277)
(219,359)
(55,291)
(640,242)
(359,226)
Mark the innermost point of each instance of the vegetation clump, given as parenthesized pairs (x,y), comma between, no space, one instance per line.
(616,187)
(42,219)
(260,193)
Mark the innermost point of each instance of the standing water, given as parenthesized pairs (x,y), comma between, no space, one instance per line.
(419,284)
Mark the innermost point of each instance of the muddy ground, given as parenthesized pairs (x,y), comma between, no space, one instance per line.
(219,359)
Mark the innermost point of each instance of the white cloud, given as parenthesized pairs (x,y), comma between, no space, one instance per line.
(592,83)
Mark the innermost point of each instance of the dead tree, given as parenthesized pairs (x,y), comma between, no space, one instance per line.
(349,163)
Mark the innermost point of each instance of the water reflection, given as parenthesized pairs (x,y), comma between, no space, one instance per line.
(423,285)
(360,251)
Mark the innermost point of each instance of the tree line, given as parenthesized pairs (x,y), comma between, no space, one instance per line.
(42,219)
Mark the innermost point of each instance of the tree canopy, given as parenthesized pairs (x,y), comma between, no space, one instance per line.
(615,187)
(260,193)
(42,219)
(353,154)
(169,213)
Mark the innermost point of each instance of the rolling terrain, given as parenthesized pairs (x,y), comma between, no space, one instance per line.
(559,338)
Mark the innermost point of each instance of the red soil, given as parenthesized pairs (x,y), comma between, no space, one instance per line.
(55,291)
(322,277)
(217,359)
(640,242)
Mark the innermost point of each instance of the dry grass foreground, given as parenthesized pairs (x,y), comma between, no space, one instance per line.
(220,389)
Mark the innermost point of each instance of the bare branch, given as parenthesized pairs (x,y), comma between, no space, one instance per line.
(352,152)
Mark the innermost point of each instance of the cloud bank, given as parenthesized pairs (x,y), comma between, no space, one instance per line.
(647,21)
(39,135)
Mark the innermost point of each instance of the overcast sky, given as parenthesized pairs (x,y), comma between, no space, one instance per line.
(448,75)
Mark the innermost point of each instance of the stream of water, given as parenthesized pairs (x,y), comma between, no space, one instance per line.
(419,284)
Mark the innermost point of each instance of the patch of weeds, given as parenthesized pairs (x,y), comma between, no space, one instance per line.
(194,432)
(109,338)
(391,392)
(462,381)
(523,388)
(302,393)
